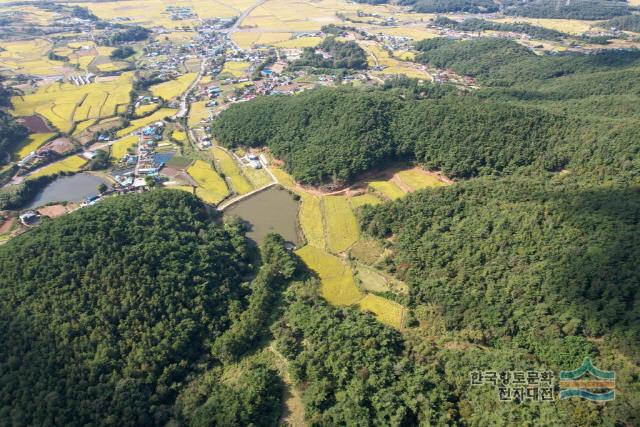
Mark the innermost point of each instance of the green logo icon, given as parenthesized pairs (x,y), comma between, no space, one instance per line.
(600,386)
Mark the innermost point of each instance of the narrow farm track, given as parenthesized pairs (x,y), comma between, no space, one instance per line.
(292,407)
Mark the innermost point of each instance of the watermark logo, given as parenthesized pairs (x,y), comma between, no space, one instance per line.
(600,386)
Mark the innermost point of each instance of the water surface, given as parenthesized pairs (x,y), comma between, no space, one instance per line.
(271,211)
(74,188)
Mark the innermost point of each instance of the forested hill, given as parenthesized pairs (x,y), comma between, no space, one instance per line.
(106,313)
(545,266)
(332,135)
(501,62)
(11,133)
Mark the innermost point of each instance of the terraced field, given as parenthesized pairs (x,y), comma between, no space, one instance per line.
(70,164)
(173,88)
(386,311)
(64,104)
(342,226)
(232,171)
(211,187)
(311,220)
(34,142)
(161,114)
(338,286)
(122,146)
(387,189)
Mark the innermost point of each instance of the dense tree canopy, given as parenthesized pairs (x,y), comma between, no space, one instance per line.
(105,311)
(577,9)
(333,54)
(11,135)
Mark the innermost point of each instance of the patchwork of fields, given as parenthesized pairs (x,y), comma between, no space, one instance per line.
(65,104)
(330,228)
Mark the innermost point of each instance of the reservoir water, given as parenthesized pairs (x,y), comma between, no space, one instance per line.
(271,211)
(74,188)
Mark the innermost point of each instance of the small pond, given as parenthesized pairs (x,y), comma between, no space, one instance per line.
(271,211)
(74,188)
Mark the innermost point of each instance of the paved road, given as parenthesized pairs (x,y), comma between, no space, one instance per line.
(243,16)
(184,102)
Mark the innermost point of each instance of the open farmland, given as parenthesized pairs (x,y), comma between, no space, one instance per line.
(418,179)
(122,146)
(387,189)
(311,220)
(29,56)
(64,104)
(70,164)
(235,68)
(248,39)
(198,112)
(145,121)
(386,311)
(173,88)
(212,188)
(34,142)
(342,226)
(337,284)
(364,199)
(232,171)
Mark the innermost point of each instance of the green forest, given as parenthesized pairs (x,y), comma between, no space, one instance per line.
(345,55)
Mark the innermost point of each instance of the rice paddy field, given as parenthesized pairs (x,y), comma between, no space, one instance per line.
(153,12)
(70,164)
(198,112)
(33,142)
(145,121)
(312,221)
(386,311)
(299,43)
(418,179)
(211,187)
(248,39)
(64,104)
(235,68)
(146,109)
(387,189)
(122,146)
(173,88)
(29,57)
(338,286)
(571,26)
(364,199)
(228,166)
(342,226)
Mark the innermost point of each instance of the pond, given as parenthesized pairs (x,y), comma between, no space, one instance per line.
(74,188)
(271,211)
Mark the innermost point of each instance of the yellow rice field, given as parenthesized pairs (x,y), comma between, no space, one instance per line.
(311,220)
(235,68)
(145,109)
(387,189)
(386,311)
(299,43)
(342,226)
(364,199)
(173,88)
(232,171)
(198,112)
(145,121)
(418,180)
(64,104)
(572,26)
(338,286)
(70,164)
(34,142)
(212,188)
(122,146)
